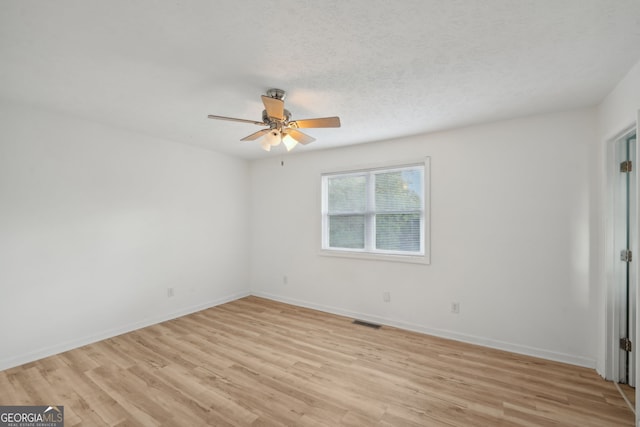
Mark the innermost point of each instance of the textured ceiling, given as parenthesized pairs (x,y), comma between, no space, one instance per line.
(387,68)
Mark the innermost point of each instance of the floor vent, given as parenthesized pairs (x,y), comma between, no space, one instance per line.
(367,324)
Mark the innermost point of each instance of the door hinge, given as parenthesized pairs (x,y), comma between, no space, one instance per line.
(626,255)
(626,166)
(625,344)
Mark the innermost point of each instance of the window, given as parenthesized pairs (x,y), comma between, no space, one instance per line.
(379,211)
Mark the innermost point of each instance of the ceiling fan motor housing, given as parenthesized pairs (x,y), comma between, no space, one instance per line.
(270,121)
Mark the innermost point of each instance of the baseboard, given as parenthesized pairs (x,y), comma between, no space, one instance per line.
(486,342)
(110,333)
(471,339)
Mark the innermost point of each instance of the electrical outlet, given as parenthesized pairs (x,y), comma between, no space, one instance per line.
(386,296)
(169,292)
(455,307)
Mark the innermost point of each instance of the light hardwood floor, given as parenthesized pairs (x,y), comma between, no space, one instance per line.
(258,362)
(630,393)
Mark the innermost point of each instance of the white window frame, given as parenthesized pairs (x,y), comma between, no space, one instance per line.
(424,257)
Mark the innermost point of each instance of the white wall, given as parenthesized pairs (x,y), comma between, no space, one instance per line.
(620,108)
(511,233)
(95,225)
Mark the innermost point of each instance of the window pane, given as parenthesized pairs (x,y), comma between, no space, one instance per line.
(346,231)
(347,194)
(398,232)
(399,191)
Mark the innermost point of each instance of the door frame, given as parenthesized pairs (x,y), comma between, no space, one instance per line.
(613,265)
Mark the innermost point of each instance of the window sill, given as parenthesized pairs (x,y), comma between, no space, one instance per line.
(411,259)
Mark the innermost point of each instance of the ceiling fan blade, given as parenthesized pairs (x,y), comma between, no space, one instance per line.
(255,135)
(211,116)
(299,136)
(325,122)
(274,107)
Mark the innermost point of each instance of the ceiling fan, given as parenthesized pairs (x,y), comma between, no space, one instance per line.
(280,127)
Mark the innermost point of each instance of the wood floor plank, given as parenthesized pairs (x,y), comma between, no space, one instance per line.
(256,362)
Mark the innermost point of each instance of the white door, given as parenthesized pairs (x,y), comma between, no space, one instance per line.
(627,245)
(632,246)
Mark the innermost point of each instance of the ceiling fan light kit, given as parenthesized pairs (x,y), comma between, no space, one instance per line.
(280,127)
